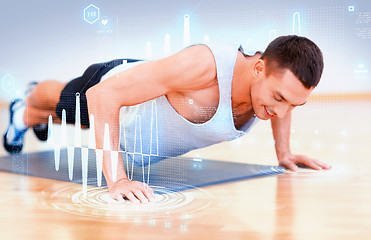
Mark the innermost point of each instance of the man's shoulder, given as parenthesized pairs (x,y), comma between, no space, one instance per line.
(214,48)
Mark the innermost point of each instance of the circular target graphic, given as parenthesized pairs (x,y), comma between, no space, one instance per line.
(168,204)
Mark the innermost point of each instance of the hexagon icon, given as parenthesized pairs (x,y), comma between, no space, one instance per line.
(91,14)
(7,83)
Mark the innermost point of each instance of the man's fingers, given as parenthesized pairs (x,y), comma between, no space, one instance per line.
(138,193)
(120,199)
(289,165)
(131,197)
(147,191)
(149,194)
(311,163)
(323,165)
(292,162)
(150,191)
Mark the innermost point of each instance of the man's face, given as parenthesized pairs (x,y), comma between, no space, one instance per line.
(277,94)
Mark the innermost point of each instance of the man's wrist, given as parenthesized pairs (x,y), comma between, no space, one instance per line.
(111,183)
(281,153)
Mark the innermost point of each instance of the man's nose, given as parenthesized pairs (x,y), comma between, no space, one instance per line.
(282,109)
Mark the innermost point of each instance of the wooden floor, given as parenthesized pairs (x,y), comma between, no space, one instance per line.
(305,205)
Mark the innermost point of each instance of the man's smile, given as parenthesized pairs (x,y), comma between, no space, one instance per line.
(269,113)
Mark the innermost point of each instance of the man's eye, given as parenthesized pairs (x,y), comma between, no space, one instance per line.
(278,99)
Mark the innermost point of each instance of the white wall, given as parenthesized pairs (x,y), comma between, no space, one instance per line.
(50,40)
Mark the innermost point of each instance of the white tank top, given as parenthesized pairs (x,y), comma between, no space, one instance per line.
(153,130)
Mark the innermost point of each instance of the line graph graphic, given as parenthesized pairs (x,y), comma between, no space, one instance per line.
(294,23)
(206,39)
(59,142)
(167,47)
(294,17)
(187,34)
(272,34)
(114,153)
(148,50)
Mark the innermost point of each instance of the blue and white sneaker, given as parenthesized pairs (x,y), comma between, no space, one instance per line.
(13,138)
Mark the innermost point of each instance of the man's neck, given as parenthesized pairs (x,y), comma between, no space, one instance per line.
(242,81)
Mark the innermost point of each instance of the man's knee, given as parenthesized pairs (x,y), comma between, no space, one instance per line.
(45,94)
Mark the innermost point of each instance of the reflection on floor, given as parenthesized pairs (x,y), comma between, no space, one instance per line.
(331,204)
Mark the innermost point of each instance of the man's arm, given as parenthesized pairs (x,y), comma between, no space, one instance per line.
(190,69)
(281,133)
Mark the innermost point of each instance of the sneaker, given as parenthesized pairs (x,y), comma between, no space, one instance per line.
(30,87)
(13,138)
(41,130)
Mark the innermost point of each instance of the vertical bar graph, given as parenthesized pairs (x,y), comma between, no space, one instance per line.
(84,169)
(167,47)
(99,153)
(206,39)
(77,122)
(148,50)
(294,30)
(187,33)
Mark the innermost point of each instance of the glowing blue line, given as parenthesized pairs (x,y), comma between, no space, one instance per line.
(126,154)
(114,161)
(141,145)
(272,34)
(92,144)
(51,140)
(293,23)
(167,48)
(64,129)
(99,159)
(106,142)
(98,152)
(206,39)
(57,156)
(187,35)
(84,169)
(138,127)
(154,106)
(148,50)
(250,45)
(50,131)
(77,122)
(130,177)
(106,145)
(71,156)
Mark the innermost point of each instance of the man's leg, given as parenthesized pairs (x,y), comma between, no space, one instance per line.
(51,98)
(41,103)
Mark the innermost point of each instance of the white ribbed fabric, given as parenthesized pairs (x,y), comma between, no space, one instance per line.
(172,133)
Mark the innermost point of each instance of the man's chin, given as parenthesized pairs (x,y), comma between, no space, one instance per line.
(261,116)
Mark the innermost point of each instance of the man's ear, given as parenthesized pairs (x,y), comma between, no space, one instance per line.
(259,68)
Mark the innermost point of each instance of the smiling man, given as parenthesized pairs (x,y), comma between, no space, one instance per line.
(203,95)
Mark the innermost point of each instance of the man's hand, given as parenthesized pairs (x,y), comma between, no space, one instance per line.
(291,162)
(136,192)
(281,134)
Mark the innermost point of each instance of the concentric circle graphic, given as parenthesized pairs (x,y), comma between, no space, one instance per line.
(336,173)
(168,204)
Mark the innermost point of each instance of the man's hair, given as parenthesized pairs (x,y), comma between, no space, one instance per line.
(298,54)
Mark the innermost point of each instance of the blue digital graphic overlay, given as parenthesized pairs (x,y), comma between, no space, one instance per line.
(7,83)
(91,14)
